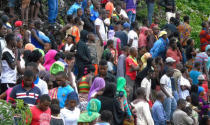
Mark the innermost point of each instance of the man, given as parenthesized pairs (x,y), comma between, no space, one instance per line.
(121,62)
(158,112)
(73,9)
(133,35)
(52,11)
(41,84)
(153,37)
(119,33)
(160,46)
(166,87)
(185,31)
(150,10)
(88,23)
(170,28)
(179,116)
(131,70)
(94,11)
(110,7)
(170,8)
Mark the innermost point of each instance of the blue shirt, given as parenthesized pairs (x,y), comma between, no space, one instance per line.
(159,48)
(63,93)
(158,113)
(93,14)
(73,9)
(194,76)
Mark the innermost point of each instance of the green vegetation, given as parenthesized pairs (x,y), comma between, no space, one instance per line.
(198,10)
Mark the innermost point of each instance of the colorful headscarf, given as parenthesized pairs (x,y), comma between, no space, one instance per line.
(97,85)
(93,108)
(49,59)
(56,67)
(30,47)
(200,89)
(41,51)
(73,96)
(121,83)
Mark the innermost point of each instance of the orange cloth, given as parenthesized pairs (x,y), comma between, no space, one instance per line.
(96,69)
(110,7)
(74,31)
(30,47)
(204,39)
(184,30)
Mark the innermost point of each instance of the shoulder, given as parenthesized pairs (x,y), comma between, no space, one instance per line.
(17,87)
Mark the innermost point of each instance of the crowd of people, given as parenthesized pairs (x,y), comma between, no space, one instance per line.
(104,67)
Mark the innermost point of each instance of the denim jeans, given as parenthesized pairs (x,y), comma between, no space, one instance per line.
(169,106)
(131,16)
(176,95)
(52,10)
(150,11)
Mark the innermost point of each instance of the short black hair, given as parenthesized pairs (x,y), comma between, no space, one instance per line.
(110,42)
(77,19)
(194,88)
(55,101)
(55,109)
(59,55)
(180,102)
(69,56)
(189,41)
(125,48)
(203,24)
(80,9)
(28,74)
(35,56)
(106,116)
(140,91)
(172,41)
(135,25)
(186,18)
(61,73)
(90,68)
(32,64)
(9,37)
(45,97)
(197,64)
(103,62)
(69,18)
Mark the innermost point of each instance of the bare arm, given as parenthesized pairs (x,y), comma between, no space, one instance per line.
(164,91)
(99,35)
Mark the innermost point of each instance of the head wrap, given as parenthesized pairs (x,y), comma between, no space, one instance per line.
(162,33)
(121,83)
(93,108)
(97,85)
(41,51)
(18,23)
(30,47)
(200,89)
(73,96)
(50,59)
(56,67)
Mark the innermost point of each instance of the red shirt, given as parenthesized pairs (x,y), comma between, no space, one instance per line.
(128,62)
(40,117)
(175,54)
(204,39)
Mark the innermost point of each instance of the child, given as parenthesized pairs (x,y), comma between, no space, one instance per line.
(26,91)
(79,14)
(63,89)
(105,118)
(70,113)
(41,113)
(55,114)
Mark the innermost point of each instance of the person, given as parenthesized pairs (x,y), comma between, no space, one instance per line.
(150,10)
(133,35)
(208,62)
(35,7)
(141,106)
(121,62)
(158,112)
(131,70)
(41,113)
(8,63)
(52,11)
(37,57)
(131,10)
(79,15)
(35,39)
(179,116)
(74,30)
(97,88)
(94,11)
(105,118)
(70,113)
(184,30)
(170,8)
(101,30)
(64,89)
(142,41)
(25,90)
(88,23)
(195,72)
(55,114)
(174,52)
(204,36)
(110,7)
(110,103)
(70,44)
(151,38)
(73,9)
(160,46)
(166,87)
(119,33)
(41,84)
(25,10)
(121,13)
(92,114)
(190,53)
(49,59)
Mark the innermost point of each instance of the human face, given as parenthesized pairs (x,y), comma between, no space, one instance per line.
(44,105)
(60,80)
(47,47)
(28,81)
(71,104)
(3,31)
(155,30)
(102,70)
(20,44)
(87,11)
(91,37)
(69,40)
(13,44)
(79,13)
(173,46)
(34,70)
(118,8)
(165,37)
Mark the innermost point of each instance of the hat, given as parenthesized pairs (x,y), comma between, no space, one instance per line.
(162,33)
(18,23)
(201,77)
(170,60)
(126,25)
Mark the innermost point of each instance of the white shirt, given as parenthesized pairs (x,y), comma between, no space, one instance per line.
(42,85)
(145,83)
(166,81)
(3,43)
(68,47)
(123,13)
(134,36)
(144,116)
(102,30)
(70,117)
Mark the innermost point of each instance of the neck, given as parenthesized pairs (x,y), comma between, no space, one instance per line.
(27,87)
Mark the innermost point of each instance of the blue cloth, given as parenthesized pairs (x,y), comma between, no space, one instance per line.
(130,4)
(159,48)
(84,3)
(35,42)
(200,89)
(73,9)
(158,113)
(131,16)
(62,94)
(150,11)
(194,76)
(44,38)
(93,14)
(52,10)
(37,80)
(170,107)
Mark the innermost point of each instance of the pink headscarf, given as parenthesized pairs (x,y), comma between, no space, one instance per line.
(49,59)
(143,37)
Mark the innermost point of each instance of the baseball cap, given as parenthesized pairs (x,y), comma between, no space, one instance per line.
(170,60)
(162,33)
(18,23)
(126,25)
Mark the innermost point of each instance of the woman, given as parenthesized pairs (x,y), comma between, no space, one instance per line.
(143,37)
(70,113)
(110,103)
(70,44)
(141,106)
(37,57)
(49,59)
(204,36)
(90,117)
(96,88)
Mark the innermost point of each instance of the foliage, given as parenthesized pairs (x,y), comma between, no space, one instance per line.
(21,112)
